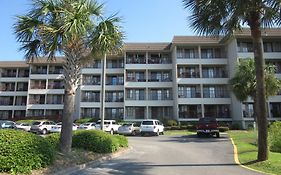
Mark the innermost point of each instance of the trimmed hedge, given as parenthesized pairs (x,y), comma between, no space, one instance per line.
(98,141)
(223,128)
(54,140)
(123,141)
(275,137)
(170,123)
(21,152)
(85,120)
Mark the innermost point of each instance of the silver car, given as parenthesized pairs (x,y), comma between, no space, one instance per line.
(129,129)
(7,124)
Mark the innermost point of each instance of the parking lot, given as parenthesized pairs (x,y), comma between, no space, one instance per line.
(173,155)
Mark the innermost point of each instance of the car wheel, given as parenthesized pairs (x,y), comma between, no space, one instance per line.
(44,131)
(158,133)
(133,133)
(111,132)
(218,135)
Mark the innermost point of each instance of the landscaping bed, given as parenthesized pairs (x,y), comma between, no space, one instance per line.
(246,143)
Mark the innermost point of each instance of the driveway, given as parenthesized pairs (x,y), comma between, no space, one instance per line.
(173,155)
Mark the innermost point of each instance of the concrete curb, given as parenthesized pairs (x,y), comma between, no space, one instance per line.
(236,159)
(96,162)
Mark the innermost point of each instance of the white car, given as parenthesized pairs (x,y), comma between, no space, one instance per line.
(23,126)
(154,127)
(42,127)
(109,126)
(87,126)
(57,127)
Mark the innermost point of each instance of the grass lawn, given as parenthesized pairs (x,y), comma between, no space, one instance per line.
(245,142)
(178,132)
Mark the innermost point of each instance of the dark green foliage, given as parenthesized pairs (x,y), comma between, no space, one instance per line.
(235,126)
(54,140)
(85,120)
(175,127)
(183,127)
(167,128)
(223,128)
(21,152)
(170,123)
(122,140)
(97,141)
(275,137)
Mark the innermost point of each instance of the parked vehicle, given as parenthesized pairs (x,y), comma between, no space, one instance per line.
(208,126)
(129,129)
(154,127)
(4,124)
(109,126)
(87,126)
(42,127)
(23,126)
(57,127)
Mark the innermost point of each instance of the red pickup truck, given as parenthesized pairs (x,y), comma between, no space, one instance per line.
(208,126)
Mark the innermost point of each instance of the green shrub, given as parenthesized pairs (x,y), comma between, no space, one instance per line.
(183,127)
(175,127)
(96,141)
(191,127)
(21,152)
(85,120)
(171,123)
(168,128)
(223,128)
(235,126)
(122,140)
(28,121)
(54,140)
(275,137)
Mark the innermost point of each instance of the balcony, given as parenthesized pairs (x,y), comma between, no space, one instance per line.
(56,70)
(214,72)
(212,53)
(9,74)
(36,101)
(57,85)
(111,99)
(34,86)
(6,102)
(23,73)
(39,71)
(54,101)
(91,99)
(189,74)
(7,87)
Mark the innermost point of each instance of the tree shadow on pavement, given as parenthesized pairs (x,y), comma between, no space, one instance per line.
(194,138)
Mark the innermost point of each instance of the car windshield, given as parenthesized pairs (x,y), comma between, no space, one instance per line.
(127,125)
(86,124)
(147,123)
(207,120)
(36,123)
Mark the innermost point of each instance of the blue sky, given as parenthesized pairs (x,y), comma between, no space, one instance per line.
(143,21)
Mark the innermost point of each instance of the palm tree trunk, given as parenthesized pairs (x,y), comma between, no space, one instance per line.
(67,119)
(102,109)
(260,91)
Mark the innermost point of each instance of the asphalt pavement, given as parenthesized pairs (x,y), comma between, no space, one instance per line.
(173,155)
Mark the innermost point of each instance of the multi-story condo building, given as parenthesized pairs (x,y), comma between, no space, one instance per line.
(184,80)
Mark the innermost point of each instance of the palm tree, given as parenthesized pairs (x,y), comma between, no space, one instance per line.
(215,17)
(243,84)
(107,39)
(61,27)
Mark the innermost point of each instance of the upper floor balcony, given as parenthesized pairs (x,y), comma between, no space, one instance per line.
(190,91)
(96,64)
(91,80)
(7,86)
(117,96)
(159,58)
(22,86)
(215,91)
(23,73)
(159,76)
(36,69)
(115,63)
(56,70)
(90,96)
(187,53)
(214,72)
(188,72)
(37,99)
(55,84)
(212,53)
(38,84)
(9,73)
(6,101)
(21,100)
(114,80)
(54,99)
(135,58)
